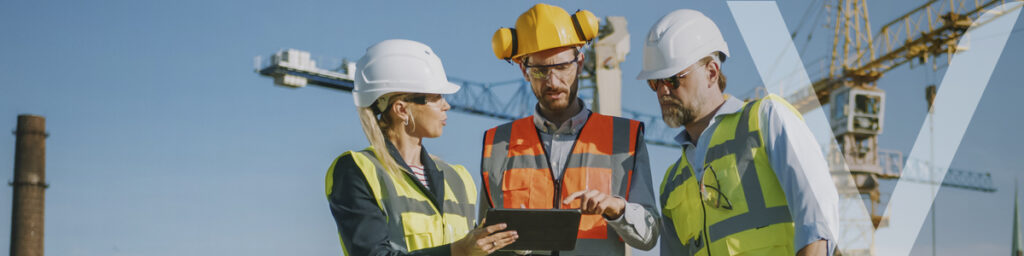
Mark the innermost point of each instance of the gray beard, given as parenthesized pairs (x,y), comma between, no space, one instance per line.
(677,113)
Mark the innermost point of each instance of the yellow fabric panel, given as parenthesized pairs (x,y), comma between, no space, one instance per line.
(775,239)
(467,179)
(329,180)
(680,205)
(729,183)
(779,99)
(765,173)
(455,227)
(370,172)
(422,231)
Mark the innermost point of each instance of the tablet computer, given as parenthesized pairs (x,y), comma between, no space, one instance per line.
(539,229)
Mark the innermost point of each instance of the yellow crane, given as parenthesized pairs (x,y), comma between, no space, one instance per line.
(858,60)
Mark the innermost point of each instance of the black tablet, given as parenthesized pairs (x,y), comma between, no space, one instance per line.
(539,229)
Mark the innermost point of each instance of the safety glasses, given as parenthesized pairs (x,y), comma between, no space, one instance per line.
(421,98)
(712,193)
(560,70)
(672,82)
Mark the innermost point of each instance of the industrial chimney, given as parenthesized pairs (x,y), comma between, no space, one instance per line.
(29,186)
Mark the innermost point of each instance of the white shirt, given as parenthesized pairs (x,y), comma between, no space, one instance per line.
(798,163)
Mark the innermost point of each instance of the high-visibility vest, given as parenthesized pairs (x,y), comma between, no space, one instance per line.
(737,175)
(414,222)
(516,174)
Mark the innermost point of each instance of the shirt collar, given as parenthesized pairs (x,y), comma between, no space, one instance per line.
(571,126)
(731,105)
(425,159)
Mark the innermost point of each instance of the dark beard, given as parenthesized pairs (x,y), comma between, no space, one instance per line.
(573,90)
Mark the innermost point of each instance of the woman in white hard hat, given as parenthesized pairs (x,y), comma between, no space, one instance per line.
(393,198)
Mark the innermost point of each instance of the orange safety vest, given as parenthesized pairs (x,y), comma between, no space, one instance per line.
(516,172)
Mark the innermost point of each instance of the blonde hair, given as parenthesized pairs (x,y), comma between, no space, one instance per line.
(378,127)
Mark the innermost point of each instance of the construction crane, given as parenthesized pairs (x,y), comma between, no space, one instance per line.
(858,60)
(506,100)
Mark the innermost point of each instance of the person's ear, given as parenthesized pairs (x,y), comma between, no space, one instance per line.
(713,72)
(400,109)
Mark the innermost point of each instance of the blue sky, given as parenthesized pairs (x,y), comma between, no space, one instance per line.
(164,142)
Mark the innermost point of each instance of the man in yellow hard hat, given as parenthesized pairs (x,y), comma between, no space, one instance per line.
(565,156)
(751,179)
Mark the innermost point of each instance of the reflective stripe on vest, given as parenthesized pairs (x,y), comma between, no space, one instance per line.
(414,222)
(516,172)
(759,221)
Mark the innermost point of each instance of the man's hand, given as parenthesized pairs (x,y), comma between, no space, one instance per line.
(816,248)
(595,202)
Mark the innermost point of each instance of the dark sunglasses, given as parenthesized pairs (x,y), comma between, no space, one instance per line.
(672,82)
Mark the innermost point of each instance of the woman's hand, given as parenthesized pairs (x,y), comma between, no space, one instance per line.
(483,240)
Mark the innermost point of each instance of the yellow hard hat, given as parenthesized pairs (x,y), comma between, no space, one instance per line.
(544,27)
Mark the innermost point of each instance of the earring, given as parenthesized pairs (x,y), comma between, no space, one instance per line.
(405,122)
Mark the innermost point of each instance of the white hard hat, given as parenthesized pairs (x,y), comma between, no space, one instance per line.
(678,40)
(399,65)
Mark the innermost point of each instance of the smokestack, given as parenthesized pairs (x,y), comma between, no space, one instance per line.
(29,186)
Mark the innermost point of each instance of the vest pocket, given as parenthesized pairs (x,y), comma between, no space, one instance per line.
(683,206)
(418,241)
(420,230)
(515,188)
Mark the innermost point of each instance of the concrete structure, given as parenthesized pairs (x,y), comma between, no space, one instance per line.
(29,184)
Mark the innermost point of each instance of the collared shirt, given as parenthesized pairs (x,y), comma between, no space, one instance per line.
(638,223)
(559,138)
(798,163)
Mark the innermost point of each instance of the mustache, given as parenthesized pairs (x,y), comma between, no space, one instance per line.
(554,89)
(670,100)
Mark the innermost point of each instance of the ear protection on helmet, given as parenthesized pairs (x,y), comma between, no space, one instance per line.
(586,25)
(505,42)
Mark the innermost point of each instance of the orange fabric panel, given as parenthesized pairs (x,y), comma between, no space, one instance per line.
(576,179)
(489,142)
(532,188)
(596,136)
(524,140)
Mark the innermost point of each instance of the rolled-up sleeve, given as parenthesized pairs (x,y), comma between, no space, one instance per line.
(803,174)
(639,224)
(361,223)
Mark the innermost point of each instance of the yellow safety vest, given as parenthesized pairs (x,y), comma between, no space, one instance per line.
(739,206)
(414,222)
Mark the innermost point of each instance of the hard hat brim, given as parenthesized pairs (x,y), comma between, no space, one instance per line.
(366,98)
(448,88)
(658,74)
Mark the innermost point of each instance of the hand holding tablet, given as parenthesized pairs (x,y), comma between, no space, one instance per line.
(539,229)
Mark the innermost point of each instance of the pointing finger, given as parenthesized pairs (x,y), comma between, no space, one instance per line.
(573,196)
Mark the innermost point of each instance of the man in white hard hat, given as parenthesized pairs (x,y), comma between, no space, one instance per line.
(565,156)
(751,179)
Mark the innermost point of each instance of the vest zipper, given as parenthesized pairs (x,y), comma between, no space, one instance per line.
(558,194)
